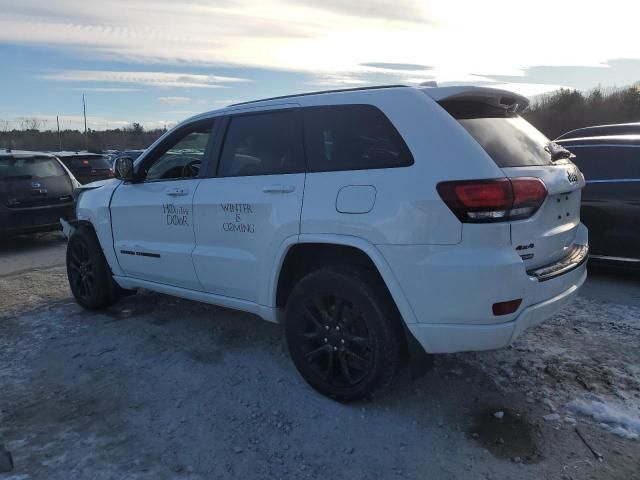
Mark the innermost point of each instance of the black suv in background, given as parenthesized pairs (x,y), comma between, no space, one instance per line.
(86,166)
(611,198)
(36,190)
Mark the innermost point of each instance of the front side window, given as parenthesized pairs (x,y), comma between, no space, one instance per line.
(180,157)
(352,137)
(262,144)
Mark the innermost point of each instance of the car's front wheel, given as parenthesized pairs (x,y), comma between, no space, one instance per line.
(88,272)
(343,332)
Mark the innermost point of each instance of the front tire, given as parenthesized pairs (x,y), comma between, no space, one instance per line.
(88,272)
(344,333)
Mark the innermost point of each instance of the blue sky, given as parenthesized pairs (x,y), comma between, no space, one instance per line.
(160,61)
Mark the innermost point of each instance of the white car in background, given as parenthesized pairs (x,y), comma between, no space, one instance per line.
(367,220)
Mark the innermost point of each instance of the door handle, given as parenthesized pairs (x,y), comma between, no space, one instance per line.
(177,192)
(278,189)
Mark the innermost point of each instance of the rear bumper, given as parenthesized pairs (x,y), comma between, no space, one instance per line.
(33,220)
(439,338)
(451,290)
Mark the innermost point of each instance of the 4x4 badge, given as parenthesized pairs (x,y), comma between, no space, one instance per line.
(572,175)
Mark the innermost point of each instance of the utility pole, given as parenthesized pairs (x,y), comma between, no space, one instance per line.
(59,138)
(84,112)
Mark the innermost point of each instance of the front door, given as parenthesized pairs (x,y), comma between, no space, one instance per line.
(152,217)
(244,214)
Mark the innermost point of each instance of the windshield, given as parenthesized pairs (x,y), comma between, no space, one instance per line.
(509,139)
(29,168)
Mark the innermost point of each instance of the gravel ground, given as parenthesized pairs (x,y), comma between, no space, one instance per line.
(158,387)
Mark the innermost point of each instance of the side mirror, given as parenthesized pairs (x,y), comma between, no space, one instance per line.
(123,168)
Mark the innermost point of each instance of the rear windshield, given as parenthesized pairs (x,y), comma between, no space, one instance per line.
(95,163)
(509,139)
(29,168)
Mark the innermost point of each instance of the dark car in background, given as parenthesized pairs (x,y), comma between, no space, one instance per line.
(611,198)
(87,166)
(132,154)
(36,190)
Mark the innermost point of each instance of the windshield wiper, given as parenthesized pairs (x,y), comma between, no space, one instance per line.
(557,152)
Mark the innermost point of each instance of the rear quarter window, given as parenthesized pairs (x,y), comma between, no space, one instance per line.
(352,137)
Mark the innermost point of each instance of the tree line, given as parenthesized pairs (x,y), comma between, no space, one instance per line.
(563,110)
(31,138)
(553,114)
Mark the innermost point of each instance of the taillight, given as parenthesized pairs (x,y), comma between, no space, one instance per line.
(493,200)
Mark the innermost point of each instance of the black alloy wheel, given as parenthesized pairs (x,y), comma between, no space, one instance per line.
(334,340)
(89,275)
(81,271)
(344,333)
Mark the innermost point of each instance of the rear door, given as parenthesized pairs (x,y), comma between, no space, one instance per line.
(251,205)
(152,219)
(522,151)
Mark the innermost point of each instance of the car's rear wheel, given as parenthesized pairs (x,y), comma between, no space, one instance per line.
(343,333)
(88,272)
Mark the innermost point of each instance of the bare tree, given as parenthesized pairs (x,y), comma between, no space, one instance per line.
(31,124)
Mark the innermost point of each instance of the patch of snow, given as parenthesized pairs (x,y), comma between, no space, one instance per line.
(549,404)
(552,417)
(498,414)
(610,416)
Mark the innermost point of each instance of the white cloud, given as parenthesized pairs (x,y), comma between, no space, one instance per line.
(105,89)
(174,100)
(492,37)
(156,79)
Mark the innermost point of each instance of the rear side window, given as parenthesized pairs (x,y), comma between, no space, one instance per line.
(352,137)
(607,162)
(26,168)
(509,139)
(262,144)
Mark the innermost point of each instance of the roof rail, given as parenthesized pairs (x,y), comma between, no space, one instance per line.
(376,87)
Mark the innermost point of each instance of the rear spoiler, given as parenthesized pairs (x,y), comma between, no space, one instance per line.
(491,96)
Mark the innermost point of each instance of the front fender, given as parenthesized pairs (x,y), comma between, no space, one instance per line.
(93,207)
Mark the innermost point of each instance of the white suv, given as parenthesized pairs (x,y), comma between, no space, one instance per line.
(364,220)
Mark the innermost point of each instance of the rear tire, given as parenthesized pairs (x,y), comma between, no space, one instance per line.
(88,272)
(344,333)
